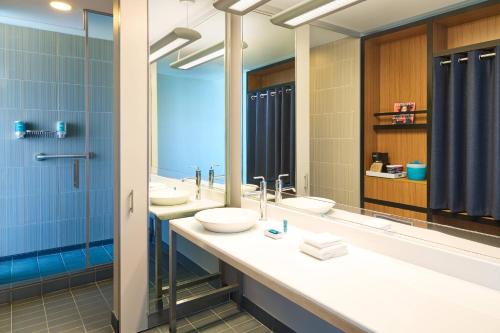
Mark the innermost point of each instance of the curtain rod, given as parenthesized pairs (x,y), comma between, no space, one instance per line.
(272,93)
(481,56)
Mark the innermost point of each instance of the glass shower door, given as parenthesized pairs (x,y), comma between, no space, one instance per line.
(99,106)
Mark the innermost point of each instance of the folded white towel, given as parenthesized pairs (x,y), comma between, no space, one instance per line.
(325,253)
(322,240)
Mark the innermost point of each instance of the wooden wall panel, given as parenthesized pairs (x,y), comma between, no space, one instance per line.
(273,79)
(404,191)
(478,31)
(403,72)
(371,99)
(421,217)
(404,146)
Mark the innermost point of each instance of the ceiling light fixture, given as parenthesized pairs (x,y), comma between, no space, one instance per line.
(239,7)
(309,11)
(176,39)
(202,56)
(59,5)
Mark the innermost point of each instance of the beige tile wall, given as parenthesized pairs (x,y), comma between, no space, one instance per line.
(335,120)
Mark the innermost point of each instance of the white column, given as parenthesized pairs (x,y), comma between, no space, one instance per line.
(130,303)
(302,109)
(233,69)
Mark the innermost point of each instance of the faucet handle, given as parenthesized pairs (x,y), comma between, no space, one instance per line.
(260,177)
(283,176)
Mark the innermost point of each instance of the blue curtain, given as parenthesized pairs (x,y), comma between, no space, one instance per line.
(465,154)
(271,134)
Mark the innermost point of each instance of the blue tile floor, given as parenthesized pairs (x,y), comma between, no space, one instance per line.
(33,267)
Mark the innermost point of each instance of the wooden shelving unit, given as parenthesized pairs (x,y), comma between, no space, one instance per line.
(383,114)
(398,68)
(399,127)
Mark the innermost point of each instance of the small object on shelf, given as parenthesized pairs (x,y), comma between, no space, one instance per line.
(381,158)
(376,166)
(395,168)
(403,119)
(386,175)
(60,129)
(404,107)
(20,129)
(416,170)
(273,233)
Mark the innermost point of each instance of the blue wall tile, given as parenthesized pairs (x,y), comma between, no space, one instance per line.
(41,82)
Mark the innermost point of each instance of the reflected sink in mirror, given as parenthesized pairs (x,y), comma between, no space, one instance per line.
(163,196)
(311,204)
(227,220)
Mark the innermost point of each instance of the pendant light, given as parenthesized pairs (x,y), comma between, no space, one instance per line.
(202,56)
(309,11)
(238,7)
(175,40)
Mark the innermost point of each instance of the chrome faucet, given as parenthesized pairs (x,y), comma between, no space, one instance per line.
(212,176)
(263,198)
(197,179)
(279,188)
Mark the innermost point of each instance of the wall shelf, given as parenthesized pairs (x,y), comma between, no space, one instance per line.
(399,126)
(381,114)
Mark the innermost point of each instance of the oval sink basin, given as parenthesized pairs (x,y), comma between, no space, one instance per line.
(312,204)
(156,186)
(168,197)
(227,220)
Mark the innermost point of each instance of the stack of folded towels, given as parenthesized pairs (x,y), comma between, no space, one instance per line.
(323,246)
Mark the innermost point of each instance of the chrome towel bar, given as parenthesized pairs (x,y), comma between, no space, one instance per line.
(43,156)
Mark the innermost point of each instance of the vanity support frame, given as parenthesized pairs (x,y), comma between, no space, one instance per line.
(234,289)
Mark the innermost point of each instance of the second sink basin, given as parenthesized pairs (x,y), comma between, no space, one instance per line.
(168,197)
(311,204)
(227,220)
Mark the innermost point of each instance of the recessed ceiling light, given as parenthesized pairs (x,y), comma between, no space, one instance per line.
(309,11)
(59,5)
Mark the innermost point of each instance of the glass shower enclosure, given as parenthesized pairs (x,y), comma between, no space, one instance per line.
(56,155)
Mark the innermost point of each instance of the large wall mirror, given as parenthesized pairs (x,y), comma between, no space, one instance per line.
(187,129)
(320,167)
(268,119)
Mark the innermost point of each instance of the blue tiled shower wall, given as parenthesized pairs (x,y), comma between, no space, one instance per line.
(41,82)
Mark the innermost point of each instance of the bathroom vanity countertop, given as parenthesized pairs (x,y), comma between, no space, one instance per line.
(362,291)
(165,213)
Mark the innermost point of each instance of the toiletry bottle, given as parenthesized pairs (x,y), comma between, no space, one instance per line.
(285,226)
(61,129)
(20,129)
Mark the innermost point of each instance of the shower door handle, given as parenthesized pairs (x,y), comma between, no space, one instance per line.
(76,174)
(131,202)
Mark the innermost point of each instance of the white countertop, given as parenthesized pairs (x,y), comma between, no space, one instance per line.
(362,291)
(191,207)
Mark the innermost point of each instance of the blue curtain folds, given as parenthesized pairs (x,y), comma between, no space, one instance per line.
(465,154)
(270,128)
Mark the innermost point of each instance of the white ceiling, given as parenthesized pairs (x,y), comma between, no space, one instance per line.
(372,15)
(38,14)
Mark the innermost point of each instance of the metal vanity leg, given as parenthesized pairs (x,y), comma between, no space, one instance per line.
(158,263)
(238,295)
(172,281)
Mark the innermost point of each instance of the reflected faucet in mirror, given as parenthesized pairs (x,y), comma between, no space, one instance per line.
(197,179)
(263,197)
(279,188)
(212,176)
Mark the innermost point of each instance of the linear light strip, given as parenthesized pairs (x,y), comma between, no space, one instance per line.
(239,7)
(202,56)
(176,39)
(309,11)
